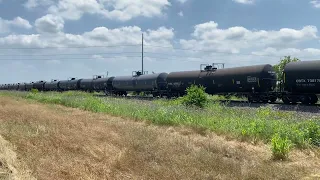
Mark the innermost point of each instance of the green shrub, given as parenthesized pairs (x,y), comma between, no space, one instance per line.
(196,96)
(34,90)
(280,147)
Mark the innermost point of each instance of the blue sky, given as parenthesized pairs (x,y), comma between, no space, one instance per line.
(179,35)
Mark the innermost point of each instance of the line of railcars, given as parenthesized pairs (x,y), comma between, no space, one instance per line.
(301,83)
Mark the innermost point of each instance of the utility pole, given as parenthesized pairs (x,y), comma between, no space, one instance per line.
(142,55)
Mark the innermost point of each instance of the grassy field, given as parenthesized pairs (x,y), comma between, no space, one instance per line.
(282,130)
(49,141)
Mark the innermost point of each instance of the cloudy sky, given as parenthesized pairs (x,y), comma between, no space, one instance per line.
(58,39)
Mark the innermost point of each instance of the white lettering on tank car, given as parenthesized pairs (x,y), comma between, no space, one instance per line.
(307,80)
(251,79)
(300,80)
(313,80)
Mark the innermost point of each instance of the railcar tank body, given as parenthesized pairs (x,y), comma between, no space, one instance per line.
(29,86)
(69,85)
(22,87)
(39,85)
(103,84)
(301,82)
(6,86)
(15,87)
(86,85)
(11,87)
(149,83)
(122,84)
(19,86)
(251,81)
(52,86)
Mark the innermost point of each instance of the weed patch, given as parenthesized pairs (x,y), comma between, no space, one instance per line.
(280,147)
(196,96)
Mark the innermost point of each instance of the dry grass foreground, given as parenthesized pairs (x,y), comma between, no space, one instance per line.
(55,142)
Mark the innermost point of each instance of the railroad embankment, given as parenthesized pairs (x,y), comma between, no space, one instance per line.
(57,142)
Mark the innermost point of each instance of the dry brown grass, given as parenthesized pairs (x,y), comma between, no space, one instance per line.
(56,142)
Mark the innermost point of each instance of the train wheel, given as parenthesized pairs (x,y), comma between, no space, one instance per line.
(294,100)
(285,100)
(314,99)
(305,99)
(273,99)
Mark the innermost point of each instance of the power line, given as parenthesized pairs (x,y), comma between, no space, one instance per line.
(233,54)
(92,58)
(219,53)
(65,47)
(65,54)
(142,44)
(212,51)
(172,59)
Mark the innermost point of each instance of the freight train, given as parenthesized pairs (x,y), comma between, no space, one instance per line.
(301,83)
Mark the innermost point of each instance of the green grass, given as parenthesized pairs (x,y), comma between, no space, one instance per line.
(254,125)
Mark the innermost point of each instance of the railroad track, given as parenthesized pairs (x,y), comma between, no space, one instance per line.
(278,105)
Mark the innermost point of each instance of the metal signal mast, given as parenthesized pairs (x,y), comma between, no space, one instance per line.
(142,55)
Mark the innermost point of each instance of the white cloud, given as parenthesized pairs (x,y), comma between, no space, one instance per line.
(100,36)
(33,40)
(122,10)
(315,3)
(20,22)
(49,24)
(53,62)
(244,1)
(3,26)
(180,14)
(74,9)
(182,1)
(6,25)
(208,36)
(30,4)
(300,53)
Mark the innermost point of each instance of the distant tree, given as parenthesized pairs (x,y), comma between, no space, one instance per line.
(283,62)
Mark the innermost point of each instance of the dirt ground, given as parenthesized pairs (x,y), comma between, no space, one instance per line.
(54,142)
